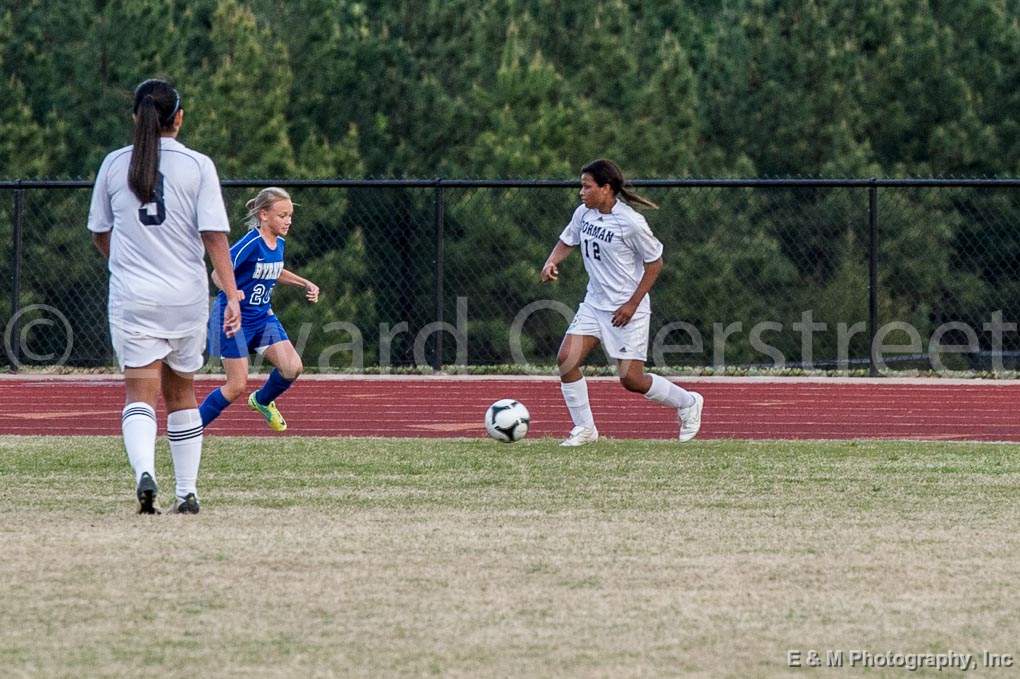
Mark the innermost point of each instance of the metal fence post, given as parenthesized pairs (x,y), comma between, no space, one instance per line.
(872,275)
(15,330)
(440,219)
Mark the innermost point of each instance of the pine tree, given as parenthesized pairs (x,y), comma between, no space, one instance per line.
(240,90)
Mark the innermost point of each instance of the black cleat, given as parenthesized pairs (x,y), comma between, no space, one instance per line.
(147,491)
(189,505)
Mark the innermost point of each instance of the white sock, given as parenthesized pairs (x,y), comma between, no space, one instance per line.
(184,431)
(576,396)
(668,394)
(138,423)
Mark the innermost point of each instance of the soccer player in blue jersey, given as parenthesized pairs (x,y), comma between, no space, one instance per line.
(258,266)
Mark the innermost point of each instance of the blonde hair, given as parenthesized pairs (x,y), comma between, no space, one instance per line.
(263,201)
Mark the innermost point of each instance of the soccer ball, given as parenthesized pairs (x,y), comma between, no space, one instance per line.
(507,420)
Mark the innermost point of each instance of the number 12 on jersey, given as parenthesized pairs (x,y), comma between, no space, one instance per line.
(595,252)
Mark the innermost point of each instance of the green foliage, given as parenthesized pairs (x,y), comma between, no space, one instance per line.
(23,143)
(536,88)
(346,297)
(527,87)
(239,92)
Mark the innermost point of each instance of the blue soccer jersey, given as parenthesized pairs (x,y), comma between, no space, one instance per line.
(256,269)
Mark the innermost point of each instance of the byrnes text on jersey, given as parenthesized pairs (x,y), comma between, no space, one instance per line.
(256,269)
(268,270)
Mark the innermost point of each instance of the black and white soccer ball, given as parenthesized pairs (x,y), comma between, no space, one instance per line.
(507,420)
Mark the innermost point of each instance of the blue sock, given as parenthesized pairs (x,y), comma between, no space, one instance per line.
(212,406)
(273,387)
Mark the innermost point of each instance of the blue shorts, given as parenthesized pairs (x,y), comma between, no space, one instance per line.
(252,337)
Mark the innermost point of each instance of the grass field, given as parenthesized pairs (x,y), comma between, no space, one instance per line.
(381,557)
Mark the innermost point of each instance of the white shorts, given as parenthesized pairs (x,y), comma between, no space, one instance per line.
(628,343)
(135,350)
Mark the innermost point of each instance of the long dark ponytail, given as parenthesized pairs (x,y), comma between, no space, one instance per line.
(156,104)
(607,172)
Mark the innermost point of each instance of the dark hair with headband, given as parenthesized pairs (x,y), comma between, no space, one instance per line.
(156,105)
(607,172)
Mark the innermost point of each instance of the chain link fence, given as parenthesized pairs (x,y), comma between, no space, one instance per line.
(846,275)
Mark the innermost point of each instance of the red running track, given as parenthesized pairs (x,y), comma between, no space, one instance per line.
(741,408)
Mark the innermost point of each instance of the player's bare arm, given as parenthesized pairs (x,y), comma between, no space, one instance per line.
(291,278)
(219,254)
(102,243)
(216,282)
(623,315)
(550,270)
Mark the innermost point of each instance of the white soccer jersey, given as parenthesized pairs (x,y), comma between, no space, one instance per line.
(615,247)
(158,280)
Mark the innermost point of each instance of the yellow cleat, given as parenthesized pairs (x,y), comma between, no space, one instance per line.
(272,415)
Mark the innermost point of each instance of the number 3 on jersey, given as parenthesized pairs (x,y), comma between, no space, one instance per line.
(595,252)
(144,215)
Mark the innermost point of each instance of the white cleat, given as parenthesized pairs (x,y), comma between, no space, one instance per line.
(579,436)
(690,418)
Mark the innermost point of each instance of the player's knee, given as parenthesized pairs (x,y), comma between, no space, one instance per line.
(633,383)
(565,361)
(233,388)
(292,369)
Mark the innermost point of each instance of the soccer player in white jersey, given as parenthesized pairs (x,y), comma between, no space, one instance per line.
(622,259)
(155,205)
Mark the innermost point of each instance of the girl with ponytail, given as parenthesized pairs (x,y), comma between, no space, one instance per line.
(623,259)
(156,211)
